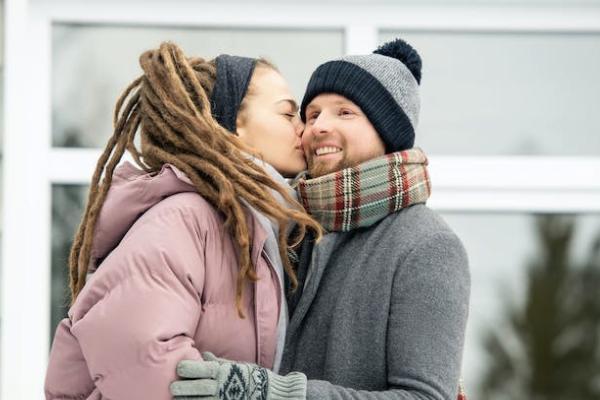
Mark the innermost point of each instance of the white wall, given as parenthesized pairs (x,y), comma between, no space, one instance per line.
(480,183)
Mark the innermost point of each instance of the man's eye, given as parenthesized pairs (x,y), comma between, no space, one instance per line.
(312,116)
(346,112)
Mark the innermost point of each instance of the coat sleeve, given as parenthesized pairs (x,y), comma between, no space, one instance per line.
(136,317)
(428,315)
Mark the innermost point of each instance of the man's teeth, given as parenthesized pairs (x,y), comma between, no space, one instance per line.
(327,150)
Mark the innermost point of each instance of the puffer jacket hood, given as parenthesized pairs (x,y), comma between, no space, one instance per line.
(132,192)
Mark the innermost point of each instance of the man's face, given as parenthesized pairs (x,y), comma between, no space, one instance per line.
(337,135)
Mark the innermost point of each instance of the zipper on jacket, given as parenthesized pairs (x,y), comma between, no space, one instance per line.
(271,269)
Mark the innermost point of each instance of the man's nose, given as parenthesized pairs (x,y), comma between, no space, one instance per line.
(321,124)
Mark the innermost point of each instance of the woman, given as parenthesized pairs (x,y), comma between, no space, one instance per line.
(187,252)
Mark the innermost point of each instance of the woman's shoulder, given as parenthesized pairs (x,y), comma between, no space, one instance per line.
(192,205)
(185,200)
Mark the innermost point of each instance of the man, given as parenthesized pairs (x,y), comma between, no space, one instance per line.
(383,304)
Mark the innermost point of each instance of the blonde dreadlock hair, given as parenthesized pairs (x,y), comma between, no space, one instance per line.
(169,105)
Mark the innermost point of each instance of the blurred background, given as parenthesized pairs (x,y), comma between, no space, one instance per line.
(510,117)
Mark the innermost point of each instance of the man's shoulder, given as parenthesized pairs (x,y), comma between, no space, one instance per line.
(401,232)
(416,221)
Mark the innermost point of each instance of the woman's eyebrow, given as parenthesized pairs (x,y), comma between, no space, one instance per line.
(291,102)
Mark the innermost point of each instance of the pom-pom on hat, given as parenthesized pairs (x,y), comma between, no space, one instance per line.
(384,84)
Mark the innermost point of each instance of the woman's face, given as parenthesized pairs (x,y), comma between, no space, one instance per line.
(268,122)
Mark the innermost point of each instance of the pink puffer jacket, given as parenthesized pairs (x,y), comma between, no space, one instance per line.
(164,291)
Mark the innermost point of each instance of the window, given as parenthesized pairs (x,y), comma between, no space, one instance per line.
(508,93)
(92,65)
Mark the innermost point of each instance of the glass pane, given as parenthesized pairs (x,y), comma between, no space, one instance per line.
(508,94)
(67,208)
(92,65)
(534,285)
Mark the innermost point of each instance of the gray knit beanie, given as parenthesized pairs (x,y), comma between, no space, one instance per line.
(385,85)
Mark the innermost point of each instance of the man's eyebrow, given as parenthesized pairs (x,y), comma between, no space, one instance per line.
(341,102)
(291,102)
(311,106)
(345,102)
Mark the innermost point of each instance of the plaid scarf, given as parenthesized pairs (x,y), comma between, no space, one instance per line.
(360,196)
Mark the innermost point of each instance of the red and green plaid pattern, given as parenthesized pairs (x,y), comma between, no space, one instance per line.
(362,195)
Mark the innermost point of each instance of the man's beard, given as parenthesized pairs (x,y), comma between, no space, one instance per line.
(316,168)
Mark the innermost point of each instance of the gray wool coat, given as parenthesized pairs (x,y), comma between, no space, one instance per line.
(383,312)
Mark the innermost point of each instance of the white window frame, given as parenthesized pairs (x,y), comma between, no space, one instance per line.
(31,165)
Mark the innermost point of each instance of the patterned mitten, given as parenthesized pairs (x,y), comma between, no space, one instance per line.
(220,379)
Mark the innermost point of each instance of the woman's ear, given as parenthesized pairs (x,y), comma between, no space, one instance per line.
(240,127)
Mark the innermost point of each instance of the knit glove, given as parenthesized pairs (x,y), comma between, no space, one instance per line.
(220,379)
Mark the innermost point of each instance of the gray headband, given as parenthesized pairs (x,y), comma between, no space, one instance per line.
(233,77)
